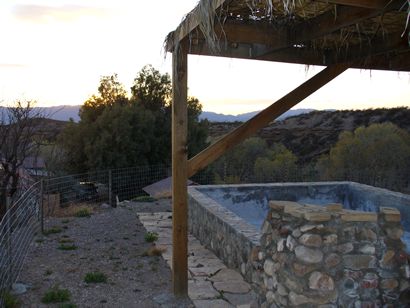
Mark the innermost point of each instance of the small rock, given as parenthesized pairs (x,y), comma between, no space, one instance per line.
(293,285)
(309,227)
(269,267)
(271,283)
(269,297)
(266,227)
(290,243)
(261,255)
(298,299)
(370,281)
(105,206)
(358,262)
(282,290)
(368,249)
(296,233)
(332,260)
(311,240)
(19,288)
(345,248)
(388,257)
(308,255)
(281,244)
(368,235)
(389,284)
(302,269)
(281,300)
(330,239)
(321,281)
(394,233)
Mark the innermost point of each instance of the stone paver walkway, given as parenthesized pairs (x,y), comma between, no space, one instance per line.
(211,283)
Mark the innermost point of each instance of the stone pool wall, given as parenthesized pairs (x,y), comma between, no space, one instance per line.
(231,238)
(324,255)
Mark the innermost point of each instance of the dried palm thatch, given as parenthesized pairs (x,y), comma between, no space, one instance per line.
(287,16)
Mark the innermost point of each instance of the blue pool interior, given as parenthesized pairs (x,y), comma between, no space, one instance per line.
(251,202)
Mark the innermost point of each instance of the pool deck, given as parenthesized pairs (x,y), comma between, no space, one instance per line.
(210,282)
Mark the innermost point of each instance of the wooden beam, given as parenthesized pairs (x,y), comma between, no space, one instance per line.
(191,21)
(265,33)
(179,172)
(369,4)
(332,21)
(263,118)
(363,56)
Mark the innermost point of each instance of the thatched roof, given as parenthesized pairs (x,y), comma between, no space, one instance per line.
(370,34)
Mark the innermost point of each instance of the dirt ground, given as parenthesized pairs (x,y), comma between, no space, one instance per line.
(110,241)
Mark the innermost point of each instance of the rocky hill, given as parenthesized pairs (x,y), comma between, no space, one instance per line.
(313,134)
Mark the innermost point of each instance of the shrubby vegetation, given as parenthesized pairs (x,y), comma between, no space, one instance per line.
(378,155)
(254,160)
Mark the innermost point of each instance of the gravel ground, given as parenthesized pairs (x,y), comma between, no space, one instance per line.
(111,241)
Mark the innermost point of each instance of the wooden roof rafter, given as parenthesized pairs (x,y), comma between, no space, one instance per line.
(369,4)
(266,37)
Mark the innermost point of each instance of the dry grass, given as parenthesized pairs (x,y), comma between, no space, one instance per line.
(72,209)
(155,250)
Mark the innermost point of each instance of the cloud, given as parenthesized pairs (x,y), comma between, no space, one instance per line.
(65,13)
(12,65)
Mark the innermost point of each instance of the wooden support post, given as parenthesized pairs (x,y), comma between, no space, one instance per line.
(179,172)
(263,118)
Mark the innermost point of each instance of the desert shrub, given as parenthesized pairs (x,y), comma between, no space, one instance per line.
(52,230)
(95,277)
(56,295)
(151,237)
(67,247)
(278,166)
(377,155)
(83,213)
(10,300)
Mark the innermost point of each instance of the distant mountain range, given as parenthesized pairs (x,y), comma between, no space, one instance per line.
(60,113)
(219,117)
(64,113)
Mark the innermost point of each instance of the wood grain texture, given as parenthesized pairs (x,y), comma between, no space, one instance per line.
(179,173)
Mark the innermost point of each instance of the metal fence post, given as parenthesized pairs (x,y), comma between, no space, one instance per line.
(42,206)
(8,242)
(110,187)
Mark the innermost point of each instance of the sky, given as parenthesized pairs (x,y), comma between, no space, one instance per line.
(55,52)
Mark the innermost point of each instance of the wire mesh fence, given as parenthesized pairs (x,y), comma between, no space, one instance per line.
(18,226)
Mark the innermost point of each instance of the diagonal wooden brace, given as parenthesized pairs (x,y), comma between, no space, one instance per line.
(262,119)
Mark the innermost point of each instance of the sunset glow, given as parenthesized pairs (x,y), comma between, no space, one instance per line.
(56,53)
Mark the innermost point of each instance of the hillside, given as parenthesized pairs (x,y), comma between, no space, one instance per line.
(48,128)
(313,134)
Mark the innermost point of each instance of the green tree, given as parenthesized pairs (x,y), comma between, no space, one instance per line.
(278,166)
(237,165)
(377,155)
(116,131)
(152,89)
(110,92)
